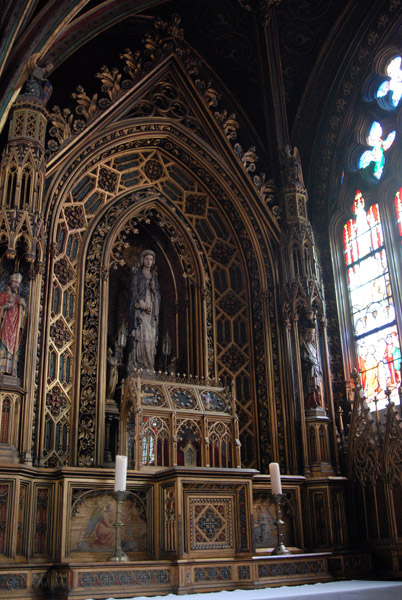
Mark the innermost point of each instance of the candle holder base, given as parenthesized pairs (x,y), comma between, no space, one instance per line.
(119,555)
(280,548)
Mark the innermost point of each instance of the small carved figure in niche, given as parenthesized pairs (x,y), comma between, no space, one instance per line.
(172,364)
(37,85)
(311,370)
(292,165)
(12,321)
(143,313)
(112,373)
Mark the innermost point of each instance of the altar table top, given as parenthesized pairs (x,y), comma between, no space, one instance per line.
(334,590)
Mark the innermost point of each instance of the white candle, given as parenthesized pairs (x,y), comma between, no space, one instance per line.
(120,474)
(275,475)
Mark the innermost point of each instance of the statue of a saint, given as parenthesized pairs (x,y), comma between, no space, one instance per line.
(143,313)
(112,374)
(292,165)
(37,85)
(12,321)
(311,370)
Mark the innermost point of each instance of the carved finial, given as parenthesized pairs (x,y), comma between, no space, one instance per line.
(291,166)
(388,393)
(355,376)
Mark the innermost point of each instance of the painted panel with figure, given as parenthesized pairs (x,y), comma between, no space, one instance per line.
(264,515)
(92,524)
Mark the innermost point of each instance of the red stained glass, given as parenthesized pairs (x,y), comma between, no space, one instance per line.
(398,209)
(373,313)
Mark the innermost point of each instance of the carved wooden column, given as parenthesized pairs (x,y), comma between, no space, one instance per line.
(302,294)
(290,406)
(21,191)
(300,417)
(44,363)
(329,395)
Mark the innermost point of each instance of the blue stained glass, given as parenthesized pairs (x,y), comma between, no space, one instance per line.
(378,147)
(394,84)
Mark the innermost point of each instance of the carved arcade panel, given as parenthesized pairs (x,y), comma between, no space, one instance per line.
(223,348)
(165,422)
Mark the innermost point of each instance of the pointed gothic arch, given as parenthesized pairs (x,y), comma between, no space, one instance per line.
(181,173)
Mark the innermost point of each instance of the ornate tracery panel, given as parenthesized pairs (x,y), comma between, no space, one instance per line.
(221,251)
(189,432)
(155,442)
(135,163)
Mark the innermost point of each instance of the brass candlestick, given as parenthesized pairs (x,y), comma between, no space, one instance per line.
(119,555)
(280,548)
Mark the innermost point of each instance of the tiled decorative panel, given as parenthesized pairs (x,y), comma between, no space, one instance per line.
(211,523)
(129,577)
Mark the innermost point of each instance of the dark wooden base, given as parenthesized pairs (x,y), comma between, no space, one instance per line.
(148,578)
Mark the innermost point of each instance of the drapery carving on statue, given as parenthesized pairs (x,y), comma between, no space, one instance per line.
(37,86)
(12,322)
(311,370)
(143,313)
(112,373)
(291,165)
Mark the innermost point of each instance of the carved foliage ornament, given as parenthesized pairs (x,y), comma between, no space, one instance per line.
(154,47)
(163,99)
(393,446)
(364,449)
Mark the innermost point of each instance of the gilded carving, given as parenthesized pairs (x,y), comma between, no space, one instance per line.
(57,401)
(169,513)
(60,334)
(364,455)
(393,446)
(91,310)
(196,205)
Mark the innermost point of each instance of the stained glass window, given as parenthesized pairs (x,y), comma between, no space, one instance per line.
(378,147)
(398,209)
(393,85)
(373,313)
